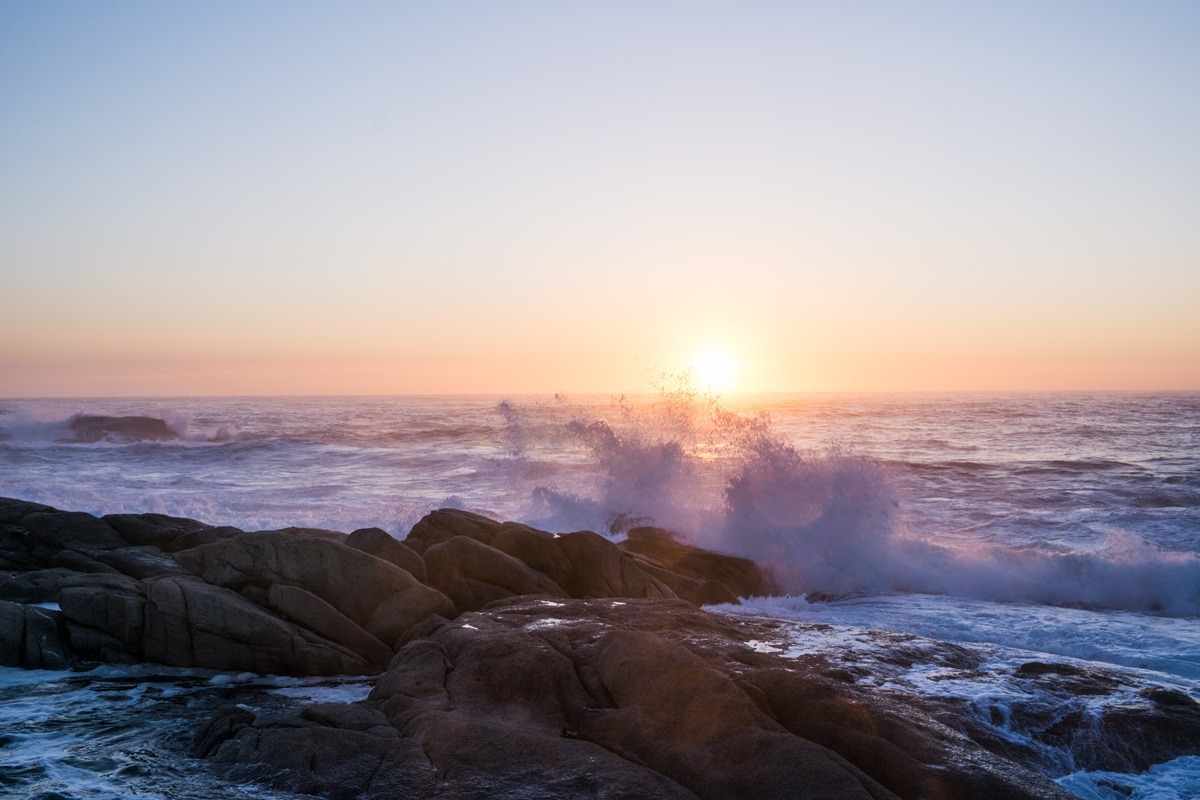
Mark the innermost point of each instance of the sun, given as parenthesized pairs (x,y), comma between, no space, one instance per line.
(715,369)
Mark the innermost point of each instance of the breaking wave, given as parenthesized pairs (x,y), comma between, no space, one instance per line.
(829,524)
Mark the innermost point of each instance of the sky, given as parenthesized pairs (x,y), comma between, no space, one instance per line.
(422,198)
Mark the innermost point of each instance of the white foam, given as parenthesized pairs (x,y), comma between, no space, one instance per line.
(1172,780)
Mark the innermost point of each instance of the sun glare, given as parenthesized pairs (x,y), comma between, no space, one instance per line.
(715,370)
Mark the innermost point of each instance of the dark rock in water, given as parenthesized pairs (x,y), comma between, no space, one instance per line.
(375,594)
(446,523)
(472,574)
(378,543)
(169,534)
(1160,725)
(32,638)
(223,725)
(627,699)
(96,428)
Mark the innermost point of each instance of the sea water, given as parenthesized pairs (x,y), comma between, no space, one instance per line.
(1033,525)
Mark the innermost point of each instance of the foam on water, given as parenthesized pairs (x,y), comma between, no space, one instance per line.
(1174,780)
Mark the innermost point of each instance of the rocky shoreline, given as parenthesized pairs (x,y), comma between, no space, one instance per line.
(515,663)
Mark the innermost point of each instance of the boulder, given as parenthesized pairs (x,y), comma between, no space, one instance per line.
(71,530)
(741,576)
(375,594)
(13,510)
(380,544)
(473,574)
(598,568)
(97,428)
(309,611)
(32,638)
(443,524)
(538,549)
(572,699)
(168,534)
(189,623)
(183,622)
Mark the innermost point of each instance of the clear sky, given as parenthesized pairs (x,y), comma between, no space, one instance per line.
(290,198)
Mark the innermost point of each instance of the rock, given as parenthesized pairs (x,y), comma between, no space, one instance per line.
(538,549)
(378,543)
(375,594)
(32,638)
(182,621)
(139,562)
(34,586)
(309,611)
(13,510)
(168,534)
(473,574)
(71,530)
(699,593)
(599,569)
(742,576)
(445,523)
(581,699)
(223,726)
(189,623)
(687,719)
(310,533)
(97,428)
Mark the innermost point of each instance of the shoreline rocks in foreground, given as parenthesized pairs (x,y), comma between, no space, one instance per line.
(512,663)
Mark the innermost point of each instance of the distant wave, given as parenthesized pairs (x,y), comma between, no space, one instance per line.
(85,428)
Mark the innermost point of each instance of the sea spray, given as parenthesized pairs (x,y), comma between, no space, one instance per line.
(827,523)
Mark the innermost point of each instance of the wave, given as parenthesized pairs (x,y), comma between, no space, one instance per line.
(826,524)
(86,428)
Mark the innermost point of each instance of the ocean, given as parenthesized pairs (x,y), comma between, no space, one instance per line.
(1026,525)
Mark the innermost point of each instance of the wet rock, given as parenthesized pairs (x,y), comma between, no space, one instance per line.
(380,544)
(32,638)
(222,727)
(472,574)
(97,428)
